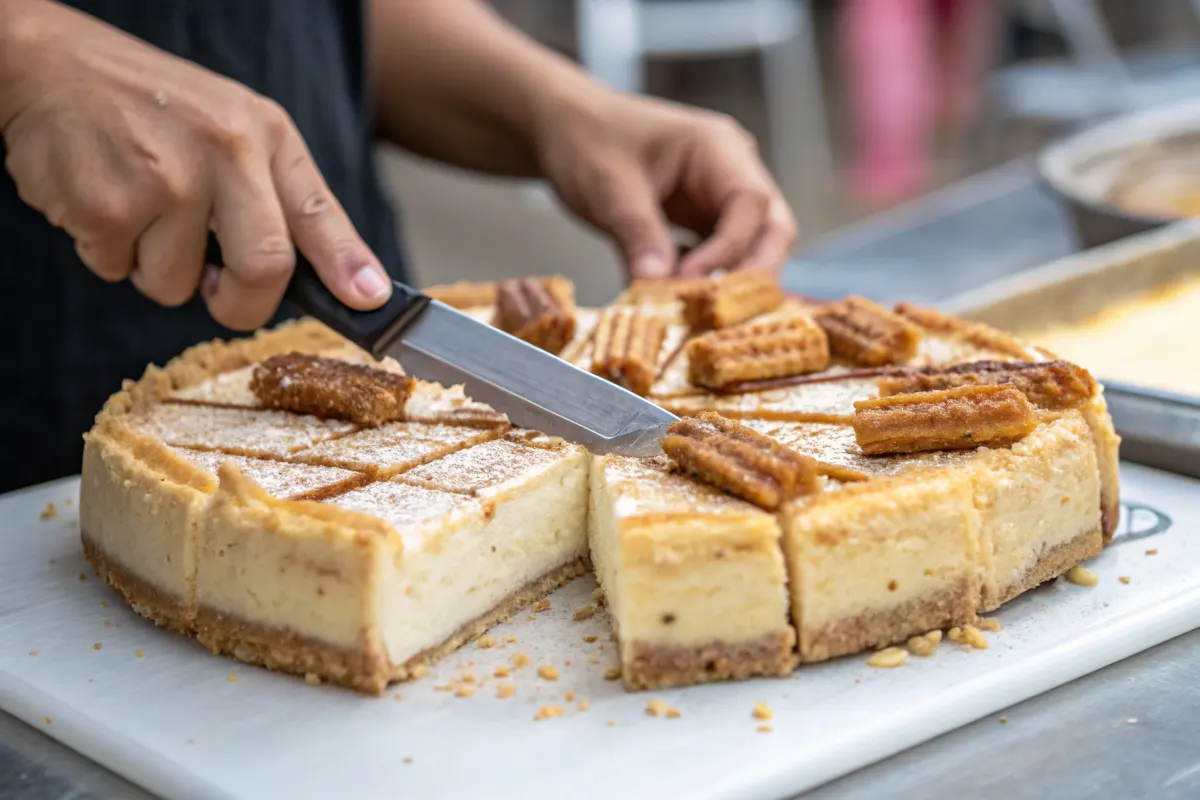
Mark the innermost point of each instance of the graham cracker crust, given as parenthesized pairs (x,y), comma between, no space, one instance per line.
(945,609)
(1110,516)
(365,668)
(1052,563)
(654,666)
(151,602)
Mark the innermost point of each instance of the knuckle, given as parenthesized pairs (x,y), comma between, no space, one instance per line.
(275,119)
(235,133)
(271,261)
(103,212)
(103,263)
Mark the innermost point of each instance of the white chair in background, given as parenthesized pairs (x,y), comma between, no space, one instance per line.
(617,36)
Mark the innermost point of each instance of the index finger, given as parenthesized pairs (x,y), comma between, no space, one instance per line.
(322,230)
(741,220)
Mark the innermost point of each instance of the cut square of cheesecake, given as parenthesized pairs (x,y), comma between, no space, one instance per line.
(279,478)
(363,587)
(393,448)
(694,578)
(826,398)
(871,564)
(239,431)
(486,467)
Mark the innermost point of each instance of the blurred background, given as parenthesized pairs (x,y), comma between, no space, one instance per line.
(858,105)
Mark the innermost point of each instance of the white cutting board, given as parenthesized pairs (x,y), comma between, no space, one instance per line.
(174,722)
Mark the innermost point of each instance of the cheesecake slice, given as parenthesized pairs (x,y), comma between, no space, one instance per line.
(393,448)
(694,578)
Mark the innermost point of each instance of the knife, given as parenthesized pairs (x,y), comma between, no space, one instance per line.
(533,388)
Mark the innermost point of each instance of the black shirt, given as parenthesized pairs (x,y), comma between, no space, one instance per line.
(70,338)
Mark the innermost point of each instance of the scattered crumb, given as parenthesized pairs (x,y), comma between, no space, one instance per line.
(419,671)
(656,708)
(593,661)
(546,712)
(583,612)
(49,512)
(312,679)
(408,759)
(233,677)
(397,697)
(33,652)
(764,729)
(140,654)
(540,606)
(464,690)
(500,671)
(673,713)
(569,697)
(467,677)
(505,691)
(547,672)
(67,502)
(108,623)
(969,635)
(926,644)
(1082,576)
(1132,720)
(485,642)
(611,723)
(598,597)
(886,659)
(1124,579)
(988,624)
(762,711)
(584,705)
(82,577)
(98,646)
(589,639)
(47,720)
(1004,720)
(520,660)
(567,663)
(104,604)
(510,639)
(444,687)
(1152,551)
(91,680)
(612,673)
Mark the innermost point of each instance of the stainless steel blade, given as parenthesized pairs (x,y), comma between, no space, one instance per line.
(535,389)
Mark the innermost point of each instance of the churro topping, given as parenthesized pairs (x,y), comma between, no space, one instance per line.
(951,419)
(778,348)
(739,460)
(277,478)
(540,311)
(625,348)
(464,294)
(730,299)
(867,333)
(242,431)
(331,388)
(1054,385)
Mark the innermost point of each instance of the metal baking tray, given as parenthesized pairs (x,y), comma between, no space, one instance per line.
(1159,429)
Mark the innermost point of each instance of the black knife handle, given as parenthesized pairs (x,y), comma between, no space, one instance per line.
(371,330)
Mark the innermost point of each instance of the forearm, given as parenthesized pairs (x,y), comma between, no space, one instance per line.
(456,83)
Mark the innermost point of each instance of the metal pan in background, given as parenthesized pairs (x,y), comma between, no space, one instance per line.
(1086,169)
(1160,429)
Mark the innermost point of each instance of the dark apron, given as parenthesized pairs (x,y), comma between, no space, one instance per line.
(68,338)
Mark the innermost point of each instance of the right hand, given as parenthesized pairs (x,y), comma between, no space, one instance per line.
(137,154)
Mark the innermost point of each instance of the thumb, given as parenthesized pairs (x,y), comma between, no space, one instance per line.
(632,215)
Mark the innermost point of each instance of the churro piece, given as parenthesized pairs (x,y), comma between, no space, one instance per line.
(540,311)
(328,387)
(730,299)
(626,346)
(780,348)
(867,333)
(464,294)
(739,460)
(951,419)
(1054,385)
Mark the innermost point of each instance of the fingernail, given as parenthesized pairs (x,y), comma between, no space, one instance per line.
(651,265)
(370,284)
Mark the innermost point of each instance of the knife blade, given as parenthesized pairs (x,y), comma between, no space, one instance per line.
(532,387)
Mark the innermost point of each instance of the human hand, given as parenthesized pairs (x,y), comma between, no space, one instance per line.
(138,154)
(631,165)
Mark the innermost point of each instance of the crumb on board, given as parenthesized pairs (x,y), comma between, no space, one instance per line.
(612,723)
(1153,551)
(510,639)
(397,697)
(47,719)
(141,654)
(968,635)
(889,658)
(656,708)
(1123,579)
(1131,721)
(926,644)
(467,677)
(1004,720)
(612,673)
(233,677)
(569,697)
(108,623)
(1082,576)
(98,646)
(500,671)
(520,660)
(589,639)
(762,711)
(540,606)
(584,705)
(505,691)
(547,672)
(465,690)
(419,671)
(548,712)
(583,612)
(82,577)
(598,597)
(33,652)
(485,642)
(988,624)
(764,729)
(408,759)
(49,512)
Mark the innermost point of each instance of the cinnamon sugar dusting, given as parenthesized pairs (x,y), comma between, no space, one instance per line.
(247,432)
(478,468)
(278,478)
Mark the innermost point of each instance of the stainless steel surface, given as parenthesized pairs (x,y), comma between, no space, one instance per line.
(535,389)
(1160,429)
(1071,742)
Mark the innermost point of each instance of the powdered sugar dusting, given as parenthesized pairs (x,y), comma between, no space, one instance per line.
(477,468)
(400,504)
(393,448)
(278,478)
(227,389)
(644,486)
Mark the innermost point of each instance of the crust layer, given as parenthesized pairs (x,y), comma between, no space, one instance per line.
(654,666)
(1054,562)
